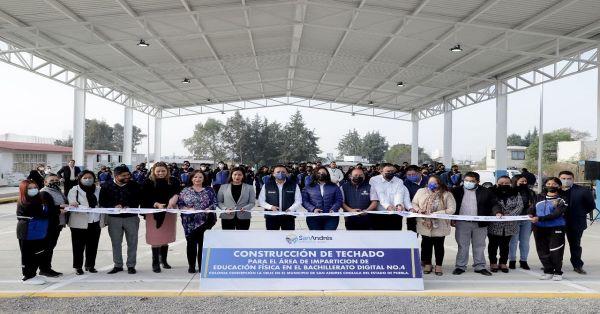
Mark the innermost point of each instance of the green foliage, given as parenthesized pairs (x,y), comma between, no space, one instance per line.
(101,136)
(372,146)
(400,153)
(549,150)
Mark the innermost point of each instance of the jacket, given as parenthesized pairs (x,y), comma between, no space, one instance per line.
(580,202)
(487,204)
(550,212)
(80,220)
(330,201)
(33,209)
(442,228)
(65,172)
(247,201)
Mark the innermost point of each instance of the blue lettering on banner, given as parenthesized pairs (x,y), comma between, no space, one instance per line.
(317,263)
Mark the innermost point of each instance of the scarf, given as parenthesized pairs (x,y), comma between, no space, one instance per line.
(433,203)
(90,194)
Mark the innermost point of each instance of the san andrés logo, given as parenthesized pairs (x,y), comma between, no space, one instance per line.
(293,238)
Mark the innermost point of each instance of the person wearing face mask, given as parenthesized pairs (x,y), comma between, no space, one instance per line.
(358,197)
(157,190)
(523,235)
(433,199)
(322,196)
(548,218)
(122,192)
(85,227)
(221,176)
(510,203)
(56,222)
(453,177)
(413,181)
(392,196)
(472,200)
(238,196)
(37,175)
(280,195)
(580,202)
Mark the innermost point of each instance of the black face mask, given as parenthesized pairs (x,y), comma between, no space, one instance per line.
(552,189)
(504,188)
(388,176)
(357,180)
(322,177)
(523,187)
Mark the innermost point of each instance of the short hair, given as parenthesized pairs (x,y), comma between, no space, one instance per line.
(280,166)
(413,168)
(566,172)
(524,170)
(473,175)
(193,174)
(504,177)
(120,169)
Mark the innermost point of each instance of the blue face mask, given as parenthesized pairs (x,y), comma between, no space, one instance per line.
(432,186)
(280,176)
(469,185)
(32,192)
(413,179)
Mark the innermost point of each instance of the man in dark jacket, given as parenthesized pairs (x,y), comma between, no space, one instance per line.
(69,174)
(472,200)
(413,181)
(122,192)
(580,202)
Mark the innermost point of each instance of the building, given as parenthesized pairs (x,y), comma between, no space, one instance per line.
(574,151)
(515,157)
(17,159)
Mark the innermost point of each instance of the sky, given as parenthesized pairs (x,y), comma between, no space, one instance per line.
(34,105)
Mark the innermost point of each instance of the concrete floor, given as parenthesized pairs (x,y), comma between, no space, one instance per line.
(177,282)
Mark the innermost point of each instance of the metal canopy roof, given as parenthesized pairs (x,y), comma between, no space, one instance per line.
(348,52)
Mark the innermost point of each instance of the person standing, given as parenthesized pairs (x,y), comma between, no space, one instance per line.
(85,227)
(157,190)
(237,200)
(358,197)
(68,174)
(197,196)
(522,238)
(392,195)
(580,202)
(322,196)
(56,222)
(413,181)
(434,199)
(122,193)
(472,200)
(510,203)
(280,195)
(531,179)
(548,218)
(221,176)
(335,174)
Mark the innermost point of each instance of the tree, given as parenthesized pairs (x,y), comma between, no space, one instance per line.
(235,133)
(68,142)
(117,137)
(351,144)
(515,140)
(374,146)
(101,136)
(207,141)
(400,153)
(300,142)
(549,151)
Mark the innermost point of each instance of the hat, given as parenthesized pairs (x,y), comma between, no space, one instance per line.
(120,169)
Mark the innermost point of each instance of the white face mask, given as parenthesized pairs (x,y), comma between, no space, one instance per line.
(87,182)
(567,183)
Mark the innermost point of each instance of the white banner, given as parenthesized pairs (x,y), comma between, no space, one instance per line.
(310,260)
(116,211)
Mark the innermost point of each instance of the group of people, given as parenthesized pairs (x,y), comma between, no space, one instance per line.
(559,211)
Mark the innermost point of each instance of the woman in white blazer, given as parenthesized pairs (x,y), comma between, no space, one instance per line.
(237,197)
(85,227)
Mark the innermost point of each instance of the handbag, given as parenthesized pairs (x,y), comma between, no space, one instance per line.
(37,228)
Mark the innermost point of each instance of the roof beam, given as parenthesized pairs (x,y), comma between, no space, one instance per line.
(299,16)
(253,48)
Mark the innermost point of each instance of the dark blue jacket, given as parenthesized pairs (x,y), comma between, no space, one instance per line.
(221,177)
(357,196)
(580,202)
(331,201)
(413,187)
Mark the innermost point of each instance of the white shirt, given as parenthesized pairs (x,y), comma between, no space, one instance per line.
(72,178)
(262,199)
(392,192)
(336,175)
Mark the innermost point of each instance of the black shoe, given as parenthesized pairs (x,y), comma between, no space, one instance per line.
(115,270)
(524,265)
(578,270)
(192,270)
(78,271)
(131,270)
(504,270)
(484,272)
(513,264)
(91,270)
(50,273)
(458,271)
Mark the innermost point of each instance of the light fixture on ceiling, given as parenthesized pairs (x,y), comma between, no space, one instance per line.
(143,43)
(400,84)
(186,80)
(208,100)
(456,48)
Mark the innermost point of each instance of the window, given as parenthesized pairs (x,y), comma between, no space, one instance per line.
(120,159)
(25,162)
(517,155)
(493,154)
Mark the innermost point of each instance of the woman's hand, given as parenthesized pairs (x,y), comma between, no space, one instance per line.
(74,204)
(499,215)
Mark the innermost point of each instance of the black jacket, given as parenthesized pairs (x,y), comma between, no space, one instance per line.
(65,172)
(37,177)
(580,202)
(32,209)
(487,204)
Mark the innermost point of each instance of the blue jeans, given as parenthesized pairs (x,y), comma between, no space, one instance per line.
(322,222)
(522,239)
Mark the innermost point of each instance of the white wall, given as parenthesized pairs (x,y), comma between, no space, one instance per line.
(569,151)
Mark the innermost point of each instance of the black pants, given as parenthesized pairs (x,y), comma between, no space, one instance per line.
(386,222)
(235,224)
(51,240)
(574,238)
(550,246)
(85,241)
(31,253)
(428,245)
(359,222)
(498,242)
(280,222)
(411,224)
(194,247)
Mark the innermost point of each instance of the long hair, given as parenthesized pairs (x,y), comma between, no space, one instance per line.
(315,176)
(163,165)
(23,197)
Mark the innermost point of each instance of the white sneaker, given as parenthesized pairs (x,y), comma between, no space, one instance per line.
(37,280)
(557,277)
(546,277)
